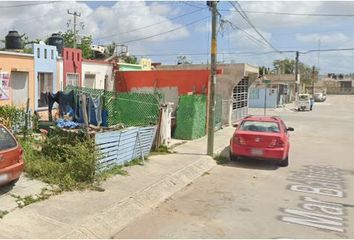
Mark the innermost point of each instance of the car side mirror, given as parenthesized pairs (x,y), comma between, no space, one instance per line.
(235,125)
(290,129)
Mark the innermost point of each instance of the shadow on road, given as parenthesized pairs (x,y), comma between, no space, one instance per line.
(247,163)
(6,188)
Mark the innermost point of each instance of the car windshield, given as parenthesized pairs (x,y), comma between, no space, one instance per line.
(303,97)
(6,140)
(257,126)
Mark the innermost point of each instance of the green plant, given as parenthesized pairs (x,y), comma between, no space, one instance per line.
(3,213)
(66,160)
(221,159)
(161,150)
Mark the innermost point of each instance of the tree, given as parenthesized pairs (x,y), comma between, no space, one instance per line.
(130,59)
(85,45)
(287,66)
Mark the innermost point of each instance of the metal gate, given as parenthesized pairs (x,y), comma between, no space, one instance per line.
(240,100)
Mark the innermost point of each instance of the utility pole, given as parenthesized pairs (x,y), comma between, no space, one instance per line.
(313,81)
(211,106)
(297,78)
(75,14)
(265,93)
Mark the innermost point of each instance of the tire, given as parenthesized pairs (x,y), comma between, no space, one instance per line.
(284,163)
(233,157)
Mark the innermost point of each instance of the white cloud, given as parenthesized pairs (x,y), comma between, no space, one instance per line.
(40,21)
(335,37)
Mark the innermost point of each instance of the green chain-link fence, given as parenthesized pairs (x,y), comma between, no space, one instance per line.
(191,117)
(129,109)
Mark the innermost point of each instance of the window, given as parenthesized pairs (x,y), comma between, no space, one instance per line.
(45,84)
(78,56)
(67,55)
(72,56)
(38,52)
(72,79)
(52,54)
(45,53)
(240,94)
(256,126)
(90,80)
(6,140)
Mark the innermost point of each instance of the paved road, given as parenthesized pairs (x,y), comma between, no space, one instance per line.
(312,198)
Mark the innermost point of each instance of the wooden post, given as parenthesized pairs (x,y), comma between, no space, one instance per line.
(84,113)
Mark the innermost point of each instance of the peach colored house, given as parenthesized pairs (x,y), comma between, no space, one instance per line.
(17,79)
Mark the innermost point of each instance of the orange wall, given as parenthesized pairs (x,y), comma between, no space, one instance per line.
(185,80)
(11,63)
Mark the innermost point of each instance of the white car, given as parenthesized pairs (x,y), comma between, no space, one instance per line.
(320,97)
(303,102)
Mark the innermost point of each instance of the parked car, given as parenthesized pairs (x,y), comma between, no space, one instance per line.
(11,160)
(320,97)
(261,137)
(303,102)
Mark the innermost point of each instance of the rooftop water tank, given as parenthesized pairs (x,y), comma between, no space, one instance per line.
(13,40)
(56,40)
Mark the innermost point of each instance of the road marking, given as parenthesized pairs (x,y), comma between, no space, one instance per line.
(321,181)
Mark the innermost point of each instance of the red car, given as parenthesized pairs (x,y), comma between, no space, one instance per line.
(261,137)
(11,161)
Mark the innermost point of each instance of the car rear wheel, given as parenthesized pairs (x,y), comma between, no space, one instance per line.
(284,163)
(233,157)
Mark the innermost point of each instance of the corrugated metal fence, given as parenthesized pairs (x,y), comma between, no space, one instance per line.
(122,146)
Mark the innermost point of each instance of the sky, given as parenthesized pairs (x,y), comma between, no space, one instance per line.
(164,30)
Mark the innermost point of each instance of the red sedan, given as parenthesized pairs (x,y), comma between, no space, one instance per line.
(261,137)
(11,161)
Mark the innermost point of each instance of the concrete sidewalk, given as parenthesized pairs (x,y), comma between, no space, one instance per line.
(92,214)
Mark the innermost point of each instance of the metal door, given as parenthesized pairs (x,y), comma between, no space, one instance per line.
(19,88)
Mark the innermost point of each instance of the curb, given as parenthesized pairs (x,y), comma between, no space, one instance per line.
(107,223)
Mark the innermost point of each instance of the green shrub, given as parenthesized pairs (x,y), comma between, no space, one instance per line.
(66,161)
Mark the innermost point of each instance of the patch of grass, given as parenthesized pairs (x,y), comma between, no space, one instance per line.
(162,150)
(29,199)
(221,159)
(116,170)
(3,213)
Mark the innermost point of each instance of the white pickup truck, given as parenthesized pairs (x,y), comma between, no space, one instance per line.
(303,102)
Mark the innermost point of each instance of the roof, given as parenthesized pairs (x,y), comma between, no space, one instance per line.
(262,118)
(16,54)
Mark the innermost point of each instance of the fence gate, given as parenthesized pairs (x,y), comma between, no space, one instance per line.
(240,100)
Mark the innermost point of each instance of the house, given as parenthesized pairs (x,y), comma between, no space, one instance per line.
(232,85)
(17,79)
(97,74)
(285,83)
(45,73)
(72,67)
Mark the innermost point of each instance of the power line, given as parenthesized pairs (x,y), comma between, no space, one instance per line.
(256,40)
(27,4)
(162,33)
(192,5)
(140,28)
(253,52)
(294,14)
(245,17)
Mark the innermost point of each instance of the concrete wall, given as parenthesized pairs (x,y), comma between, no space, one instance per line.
(257,97)
(44,64)
(18,62)
(60,73)
(100,70)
